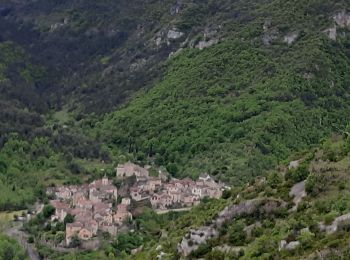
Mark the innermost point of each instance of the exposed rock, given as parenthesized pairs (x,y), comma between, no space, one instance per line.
(174,34)
(267,25)
(268,38)
(210,32)
(176,8)
(325,254)
(250,228)
(194,238)
(283,245)
(292,245)
(174,54)
(294,164)
(342,19)
(56,26)
(339,222)
(160,255)
(298,192)
(205,44)
(158,41)
(290,38)
(136,250)
(331,33)
(138,65)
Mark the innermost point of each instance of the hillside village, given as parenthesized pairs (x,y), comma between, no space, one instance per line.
(95,209)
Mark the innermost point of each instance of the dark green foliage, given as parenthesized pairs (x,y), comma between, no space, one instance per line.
(127,242)
(236,234)
(75,242)
(10,250)
(239,105)
(48,211)
(298,174)
(68,219)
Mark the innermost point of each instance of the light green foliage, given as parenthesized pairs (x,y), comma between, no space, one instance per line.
(238,108)
(10,250)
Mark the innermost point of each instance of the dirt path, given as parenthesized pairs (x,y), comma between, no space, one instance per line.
(164,211)
(15,233)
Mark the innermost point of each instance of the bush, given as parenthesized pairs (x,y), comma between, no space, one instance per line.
(329,218)
(48,211)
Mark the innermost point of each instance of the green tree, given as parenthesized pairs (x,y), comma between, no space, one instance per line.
(48,210)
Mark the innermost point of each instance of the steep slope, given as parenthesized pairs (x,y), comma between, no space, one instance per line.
(261,220)
(276,85)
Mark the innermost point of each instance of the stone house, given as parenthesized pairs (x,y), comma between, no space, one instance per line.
(130,169)
(63,193)
(198,191)
(78,196)
(176,197)
(61,210)
(109,228)
(84,203)
(135,193)
(204,177)
(126,201)
(84,230)
(72,229)
(171,188)
(214,193)
(94,196)
(155,198)
(103,190)
(122,214)
(190,200)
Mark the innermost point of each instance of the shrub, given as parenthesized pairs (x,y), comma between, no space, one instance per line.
(48,211)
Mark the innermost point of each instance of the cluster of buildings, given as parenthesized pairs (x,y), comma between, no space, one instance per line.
(94,205)
(92,208)
(165,194)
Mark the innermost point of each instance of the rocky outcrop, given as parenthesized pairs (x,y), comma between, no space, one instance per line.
(331,33)
(298,193)
(270,33)
(194,238)
(294,164)
(56,26)
(337,224)
(137,65)
(174,34)
(341,20)
(205,44)
(176,8)
(283,245)
(290,38)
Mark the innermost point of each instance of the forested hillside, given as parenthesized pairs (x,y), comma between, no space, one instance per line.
(238,108)
(231,88)
(293,213)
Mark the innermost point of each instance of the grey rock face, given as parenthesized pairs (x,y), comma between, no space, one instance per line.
(342,19)
(174,34)
(205,44)
(290,38)
(194,238)
(343,220)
